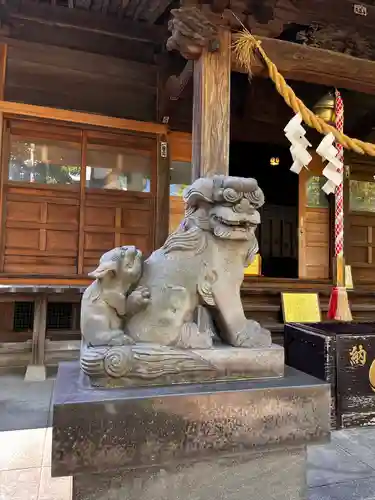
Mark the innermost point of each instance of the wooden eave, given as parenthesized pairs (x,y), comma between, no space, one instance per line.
(86,21)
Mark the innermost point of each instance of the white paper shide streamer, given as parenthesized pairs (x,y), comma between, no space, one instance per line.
(333,169)
(295,134)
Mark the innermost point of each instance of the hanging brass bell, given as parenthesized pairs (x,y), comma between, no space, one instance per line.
(325,108)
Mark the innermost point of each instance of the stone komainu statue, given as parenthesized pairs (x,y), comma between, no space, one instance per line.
(144,320)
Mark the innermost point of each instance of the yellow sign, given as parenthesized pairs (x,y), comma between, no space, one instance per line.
(301,307)
(371,375)
(254,269)
(357,356)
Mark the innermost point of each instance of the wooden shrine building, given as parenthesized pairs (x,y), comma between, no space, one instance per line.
(96,143)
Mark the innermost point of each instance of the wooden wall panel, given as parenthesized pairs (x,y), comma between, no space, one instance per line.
(22,238)
(180,150)
(28,211)
(57,241)
(176,212)
(180,146)
(41,230)
(114,218)
(140,241)
(100,216)
(135,219)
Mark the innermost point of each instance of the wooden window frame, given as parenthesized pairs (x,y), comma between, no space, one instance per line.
(114,138)
(77,118)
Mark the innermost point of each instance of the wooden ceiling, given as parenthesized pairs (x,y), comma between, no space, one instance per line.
(328,24)
(137,10)
(80,25)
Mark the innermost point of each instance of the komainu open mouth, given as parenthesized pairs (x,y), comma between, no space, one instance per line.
(238,224)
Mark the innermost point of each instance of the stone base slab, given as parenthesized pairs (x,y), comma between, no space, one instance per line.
(96,430)
(270,475)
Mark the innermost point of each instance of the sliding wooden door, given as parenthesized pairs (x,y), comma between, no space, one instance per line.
(360,220)
(314,224)
(41,200)
(119,197)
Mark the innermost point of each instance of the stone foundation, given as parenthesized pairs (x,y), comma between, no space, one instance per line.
(234,440)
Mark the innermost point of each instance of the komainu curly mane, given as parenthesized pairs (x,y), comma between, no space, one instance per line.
(182,240)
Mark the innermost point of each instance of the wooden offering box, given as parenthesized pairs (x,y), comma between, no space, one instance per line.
(343,354)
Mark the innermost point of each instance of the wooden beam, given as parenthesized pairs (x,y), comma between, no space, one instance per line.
(300,62)
(211,109)
(45,113)
(38,61)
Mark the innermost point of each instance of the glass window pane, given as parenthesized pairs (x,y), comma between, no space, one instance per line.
(44,161)
(117,167)
(362,196)
(180,177)
(315,196)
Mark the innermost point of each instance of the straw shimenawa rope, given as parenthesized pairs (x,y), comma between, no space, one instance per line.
(245,46)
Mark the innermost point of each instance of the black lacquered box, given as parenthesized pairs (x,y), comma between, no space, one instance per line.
(342,354)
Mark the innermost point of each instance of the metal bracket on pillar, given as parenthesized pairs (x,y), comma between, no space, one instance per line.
(173,90)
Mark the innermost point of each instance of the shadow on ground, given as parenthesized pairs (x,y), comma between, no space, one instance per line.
(25,405)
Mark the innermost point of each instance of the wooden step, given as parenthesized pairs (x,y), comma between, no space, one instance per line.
(363,308)
(274,327)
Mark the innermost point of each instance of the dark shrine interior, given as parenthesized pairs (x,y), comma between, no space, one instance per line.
(277,235)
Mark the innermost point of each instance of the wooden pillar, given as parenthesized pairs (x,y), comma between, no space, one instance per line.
(82,205)
(36,371)
(3,150)
(162,196)
(211,109)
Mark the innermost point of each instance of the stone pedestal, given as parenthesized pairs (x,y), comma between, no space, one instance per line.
(234,440)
